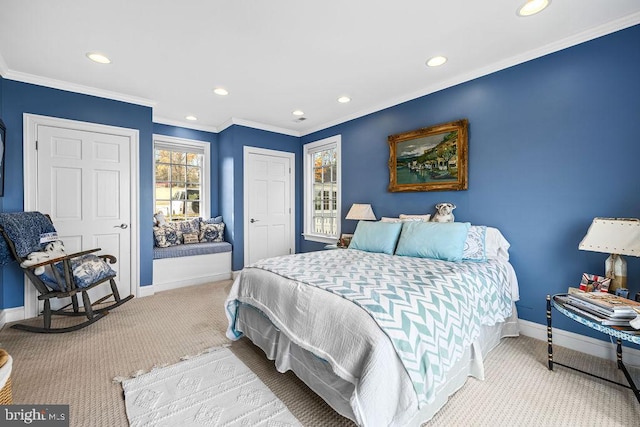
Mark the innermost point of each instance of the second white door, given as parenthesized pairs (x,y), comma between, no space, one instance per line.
(268,207)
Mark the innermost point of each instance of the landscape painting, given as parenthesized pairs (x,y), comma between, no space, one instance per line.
(429,159)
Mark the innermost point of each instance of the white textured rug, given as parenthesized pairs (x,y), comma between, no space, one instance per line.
(212,389)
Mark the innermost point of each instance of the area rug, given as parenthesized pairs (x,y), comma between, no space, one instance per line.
(212,389)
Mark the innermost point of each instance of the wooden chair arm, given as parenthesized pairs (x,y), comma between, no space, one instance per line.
(109,258)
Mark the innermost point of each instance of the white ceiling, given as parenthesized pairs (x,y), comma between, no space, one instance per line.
(281,55)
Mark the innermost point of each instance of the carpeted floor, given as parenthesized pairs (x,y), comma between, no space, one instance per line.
(77,369)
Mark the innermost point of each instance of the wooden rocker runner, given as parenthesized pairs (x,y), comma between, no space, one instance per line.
(31,240)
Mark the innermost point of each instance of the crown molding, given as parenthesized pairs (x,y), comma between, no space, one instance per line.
(187,125)
(255,125)
(72,87)
(593,33)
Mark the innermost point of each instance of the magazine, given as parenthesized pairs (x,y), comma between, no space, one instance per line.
(598,310)
(613,304)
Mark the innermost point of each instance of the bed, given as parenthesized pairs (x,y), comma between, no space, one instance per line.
(383,334)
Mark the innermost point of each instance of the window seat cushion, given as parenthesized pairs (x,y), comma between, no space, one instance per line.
(191,250)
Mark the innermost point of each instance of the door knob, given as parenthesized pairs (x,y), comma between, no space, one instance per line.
(254,220)
(123,226)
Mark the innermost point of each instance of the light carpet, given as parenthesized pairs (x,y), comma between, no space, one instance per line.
(214,389)
(78,368)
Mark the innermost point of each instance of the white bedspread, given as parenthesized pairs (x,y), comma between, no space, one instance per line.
(343,334)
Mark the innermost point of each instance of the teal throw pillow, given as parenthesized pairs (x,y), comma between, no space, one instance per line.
(376,236)
(438,240)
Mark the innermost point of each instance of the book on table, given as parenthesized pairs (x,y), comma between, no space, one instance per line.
(595,316)
(607,304)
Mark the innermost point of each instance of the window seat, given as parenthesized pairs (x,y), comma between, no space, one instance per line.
(190,250)
(190,264)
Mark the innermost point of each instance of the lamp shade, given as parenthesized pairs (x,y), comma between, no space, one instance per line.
(361,211)
(619,236)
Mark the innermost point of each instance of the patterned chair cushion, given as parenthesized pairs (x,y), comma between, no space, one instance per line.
(86,270)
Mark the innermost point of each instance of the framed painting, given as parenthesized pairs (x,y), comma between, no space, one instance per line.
(345,240)
(429,159)
(3,135)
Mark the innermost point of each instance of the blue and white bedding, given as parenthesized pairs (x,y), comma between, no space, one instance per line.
(421,312)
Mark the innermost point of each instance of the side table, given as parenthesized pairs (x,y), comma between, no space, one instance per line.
(556,301)
(334,246)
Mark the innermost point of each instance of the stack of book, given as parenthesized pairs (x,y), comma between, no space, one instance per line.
(604,308)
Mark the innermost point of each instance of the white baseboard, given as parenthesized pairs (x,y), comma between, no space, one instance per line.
(8,315)
(146,291)
(235,274)
(581,343)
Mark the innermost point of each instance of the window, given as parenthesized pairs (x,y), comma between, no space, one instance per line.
(322,190)
(181,178)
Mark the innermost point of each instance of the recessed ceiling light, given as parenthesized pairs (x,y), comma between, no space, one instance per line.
(192,118)
(436,61)
(98,57)
(531,7)
(221,91)
(298,113)
(344,99)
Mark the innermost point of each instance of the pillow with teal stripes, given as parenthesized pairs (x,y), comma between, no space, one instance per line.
(378,237)
(437,240)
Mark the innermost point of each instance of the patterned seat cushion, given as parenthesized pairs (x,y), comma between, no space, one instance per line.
(87,270)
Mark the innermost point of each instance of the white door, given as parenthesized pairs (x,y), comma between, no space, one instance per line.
(268,204)
(83,183)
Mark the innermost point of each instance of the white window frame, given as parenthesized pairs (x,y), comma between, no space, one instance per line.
(308,151)
(173,143)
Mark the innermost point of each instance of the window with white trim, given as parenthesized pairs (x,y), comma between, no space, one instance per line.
(181,179)
(322,190)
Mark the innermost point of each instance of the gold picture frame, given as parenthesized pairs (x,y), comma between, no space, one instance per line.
(429,159)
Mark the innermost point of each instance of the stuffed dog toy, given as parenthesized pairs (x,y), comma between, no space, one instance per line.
(51,251)
(444,213)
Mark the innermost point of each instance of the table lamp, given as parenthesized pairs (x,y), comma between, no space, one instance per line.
(361,211)
(358,211)
(617,237)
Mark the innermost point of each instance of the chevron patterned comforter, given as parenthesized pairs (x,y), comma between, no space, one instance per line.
(430,311)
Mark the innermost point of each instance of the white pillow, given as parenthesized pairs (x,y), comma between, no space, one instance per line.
(387,219)
(496,245)
(424,218)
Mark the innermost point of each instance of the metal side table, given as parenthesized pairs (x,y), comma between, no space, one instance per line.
(556,302)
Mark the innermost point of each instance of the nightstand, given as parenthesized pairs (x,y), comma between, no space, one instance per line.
(334,246)
(558,302)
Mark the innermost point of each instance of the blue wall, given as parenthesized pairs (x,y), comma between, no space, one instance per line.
(232,142)
(19,98)
(553,143)
(198,135)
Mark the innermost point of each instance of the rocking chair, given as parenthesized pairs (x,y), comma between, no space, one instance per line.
(55,274)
